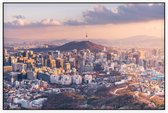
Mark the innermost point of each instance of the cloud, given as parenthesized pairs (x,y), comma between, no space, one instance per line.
(73,22)
(19,16)
(49,22)
(100,15)
(122,14)
(17,23)
(20,23)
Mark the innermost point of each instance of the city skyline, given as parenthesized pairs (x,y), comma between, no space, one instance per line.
(57,23)
(84,56)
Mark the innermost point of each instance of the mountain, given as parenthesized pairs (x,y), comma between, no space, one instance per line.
(58,42)
(73,45)
(81,45)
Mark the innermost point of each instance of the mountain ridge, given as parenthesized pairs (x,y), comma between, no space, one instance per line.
(79,45)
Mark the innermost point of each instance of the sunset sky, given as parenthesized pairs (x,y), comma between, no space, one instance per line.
(73,21)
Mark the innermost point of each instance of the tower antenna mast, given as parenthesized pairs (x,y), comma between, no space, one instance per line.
(86,36)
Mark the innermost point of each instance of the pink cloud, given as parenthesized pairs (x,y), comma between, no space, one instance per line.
(26,23)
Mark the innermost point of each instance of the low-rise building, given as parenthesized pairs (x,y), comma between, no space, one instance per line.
(77,79)
(88,78)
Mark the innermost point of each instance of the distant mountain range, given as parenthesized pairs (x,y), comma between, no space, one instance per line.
(140,41)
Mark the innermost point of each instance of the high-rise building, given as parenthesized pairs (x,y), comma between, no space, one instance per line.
(136,56)
(67,66)
(25,54)
(56,54)
(8,61)
(40,61)
(12,60)
(81,64)
(51,55)
(59,63)
(45,58)
(109,56)
(31,52)
(72,62)
(53,63)
(48,62)
(22,75)
(142,54)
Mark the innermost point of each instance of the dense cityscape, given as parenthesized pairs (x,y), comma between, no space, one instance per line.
(84,56)
(83,78)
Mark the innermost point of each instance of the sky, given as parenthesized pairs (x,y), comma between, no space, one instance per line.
(73,21)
